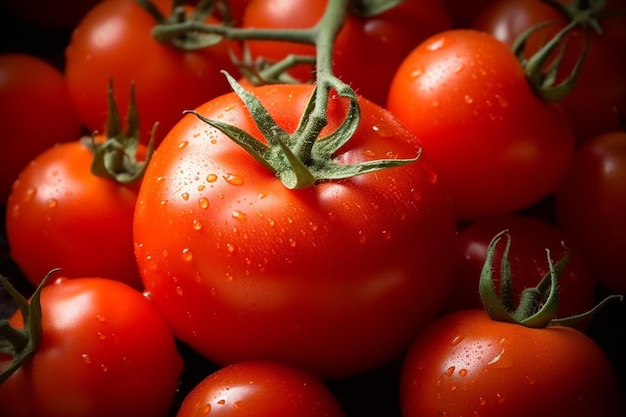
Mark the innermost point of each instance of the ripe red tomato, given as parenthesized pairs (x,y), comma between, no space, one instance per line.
(367,50)
(468,364)
(601,84)
(60,215)
(495,144)
(590,206)
(260,389)
(105,350)
(335,278)
(36,114)
(530,237)
(114,41)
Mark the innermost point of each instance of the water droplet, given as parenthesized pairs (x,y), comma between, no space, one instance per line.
(203,203)
(187,254)
(459,68)
(369,153)
(182,145)
(179,291)
(482,401)
(29,194)
(206,409)
(163,202)
(103,367)
(100,318)
(463,372)
(386,235)
(239,215)
(201,187)
(185,196)
(15,211)
(468,99)
(161,178)
(382,131)
(313,226)
(449,371)
(102,336)
(197,225)
(221,402)
(52,203)
(416,194)
(437,43)
(86,358)
(230,247)
(211,178)
(233,179)
(457,339)
(502,101)
(417,72)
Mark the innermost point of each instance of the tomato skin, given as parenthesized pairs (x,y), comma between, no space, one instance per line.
(105,350)
(32,91)
(601,84)
(495,144)
(260,389)
(530,237)
(244,268)
(60,215)
(466,364)
(378,43)
(591,203)
(114,41)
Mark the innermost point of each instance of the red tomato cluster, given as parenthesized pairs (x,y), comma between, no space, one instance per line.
(156,267)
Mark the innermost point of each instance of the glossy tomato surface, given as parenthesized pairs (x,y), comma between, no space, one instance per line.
(467,364)
(260,389)
(244,268)
(495,144)
(60,215)
(105,350)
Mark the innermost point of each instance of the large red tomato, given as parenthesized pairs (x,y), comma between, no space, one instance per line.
(498,147)
(466,364)
(61,215)
(368,49)
(335,278)
(601,84)
(104,350)
(114,41)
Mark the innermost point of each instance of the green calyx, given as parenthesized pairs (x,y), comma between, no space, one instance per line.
(543,66)
(116,157)
(301,159)
(21,344)
(538,305)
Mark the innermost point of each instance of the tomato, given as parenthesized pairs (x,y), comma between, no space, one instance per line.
(114,41)
(375,43)
(495,144)
(260,389)
(530,238)
(245,268)
(59,214)
(32,93)
(468,364)
(601,84)
(105,350)
(591,202)
(463,12)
